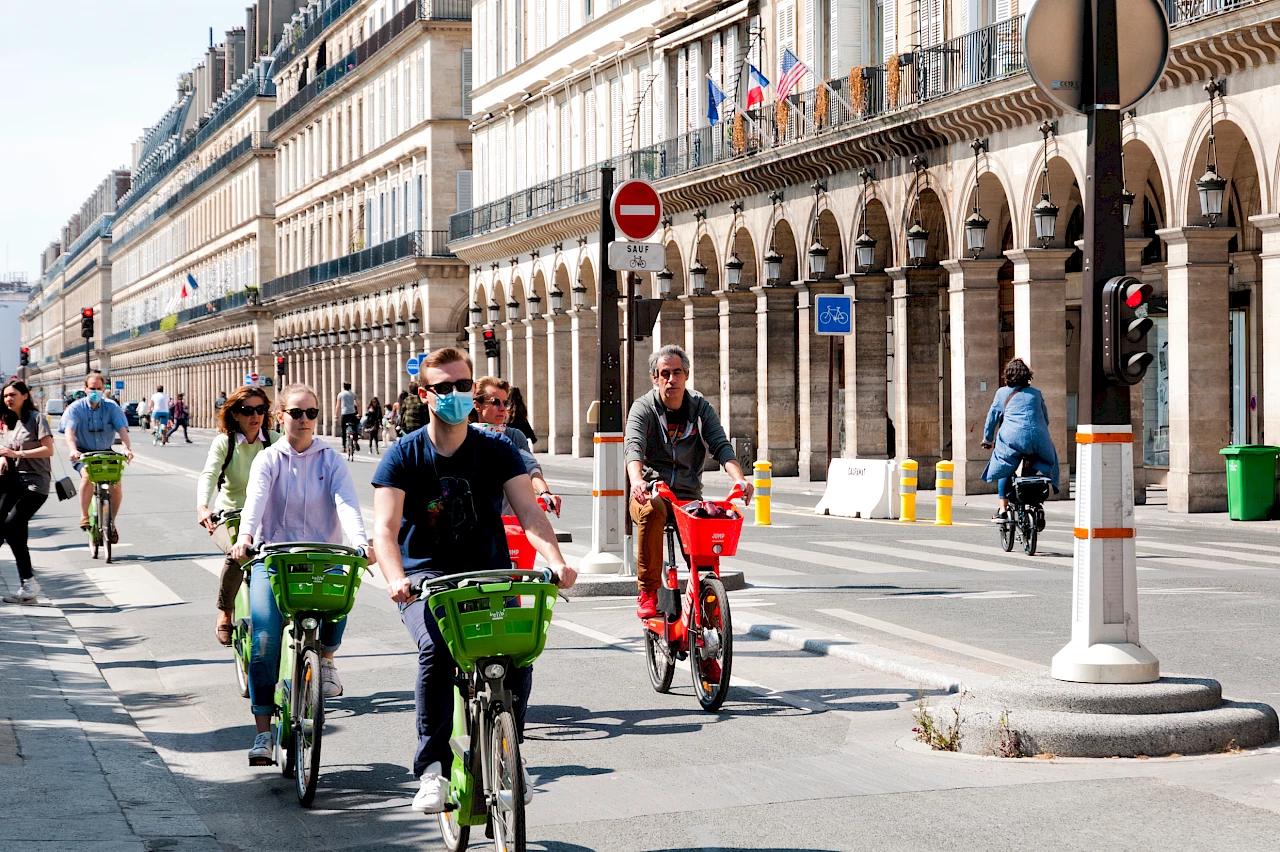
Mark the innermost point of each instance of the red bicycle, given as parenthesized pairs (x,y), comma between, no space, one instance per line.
(697,626)
(522,552)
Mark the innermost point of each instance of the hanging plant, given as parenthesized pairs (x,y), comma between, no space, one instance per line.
(858,90)
(782,118)
(739,134)
(891,83)
(821,107)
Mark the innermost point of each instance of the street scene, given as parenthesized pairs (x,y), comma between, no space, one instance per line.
(653,425)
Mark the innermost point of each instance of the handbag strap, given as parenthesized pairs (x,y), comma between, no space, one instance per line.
(1016,391)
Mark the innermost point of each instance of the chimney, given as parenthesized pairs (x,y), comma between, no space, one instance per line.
(213,75)
(235,57)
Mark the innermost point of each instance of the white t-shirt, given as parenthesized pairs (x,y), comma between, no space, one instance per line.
(347,400)
(160,403)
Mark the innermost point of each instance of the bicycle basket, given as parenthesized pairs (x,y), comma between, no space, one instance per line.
(504,619)
(1031,490)
(522,552)
(105,468)
(305,581)
(709,537)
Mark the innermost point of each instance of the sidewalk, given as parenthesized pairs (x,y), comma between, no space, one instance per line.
(75,770)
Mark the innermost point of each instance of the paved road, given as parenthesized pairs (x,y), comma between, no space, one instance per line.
(810,753)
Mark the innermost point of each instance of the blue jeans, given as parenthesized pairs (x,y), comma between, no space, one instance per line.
(268,622)
(1003,486)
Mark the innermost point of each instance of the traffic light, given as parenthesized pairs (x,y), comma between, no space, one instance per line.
(25,358)
(490,343)
(1125,304)
(281,366)
(86,322)
(644,315)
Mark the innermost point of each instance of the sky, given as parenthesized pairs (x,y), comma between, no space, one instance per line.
(83,79)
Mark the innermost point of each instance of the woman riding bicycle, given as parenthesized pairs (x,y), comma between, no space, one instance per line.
(299,490)
(1018,430)
(492,404)
(226,471)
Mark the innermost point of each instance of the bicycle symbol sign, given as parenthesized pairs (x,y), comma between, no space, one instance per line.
(833,314)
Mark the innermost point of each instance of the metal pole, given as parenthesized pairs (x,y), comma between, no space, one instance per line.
(831,368)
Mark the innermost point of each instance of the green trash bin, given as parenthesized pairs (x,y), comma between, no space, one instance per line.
(1251,481)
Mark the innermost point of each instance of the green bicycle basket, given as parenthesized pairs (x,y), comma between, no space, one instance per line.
(306,581)
(478,622)
(105,468)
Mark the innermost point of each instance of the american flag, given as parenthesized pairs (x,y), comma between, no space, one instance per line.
(792,70)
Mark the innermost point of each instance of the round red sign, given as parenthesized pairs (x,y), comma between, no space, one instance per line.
(636,209)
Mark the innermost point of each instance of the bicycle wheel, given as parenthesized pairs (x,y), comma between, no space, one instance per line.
(1006,534)
(1029,534)
(104,526)
(94,538)
(507,817)
(240,638)
(711,655)
(455,836)
(308,727)
(661,667)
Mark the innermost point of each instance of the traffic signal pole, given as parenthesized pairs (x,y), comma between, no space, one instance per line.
(1104,646)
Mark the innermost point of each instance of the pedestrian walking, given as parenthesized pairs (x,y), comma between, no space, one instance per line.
(219,401)
(181,417)
(413,411)
(26,446)
(518,415)
(373,423)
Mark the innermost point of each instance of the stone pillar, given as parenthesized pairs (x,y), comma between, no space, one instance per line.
(815,405)
(974,296)
(702,343)
(586,382)
(559,421)
(737,400)
(1199,366)
(866,365)
(514,362)
(777,378)
(1267,316)
(915,364)
(534,383)
(1039,335)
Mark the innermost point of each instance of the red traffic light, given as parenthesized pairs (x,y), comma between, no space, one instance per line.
(1136,293)
(280,359)
(489,335)
(26,351)
(87,313)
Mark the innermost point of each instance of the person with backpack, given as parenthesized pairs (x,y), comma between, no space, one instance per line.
(413,411)
(180,417)
(243,433)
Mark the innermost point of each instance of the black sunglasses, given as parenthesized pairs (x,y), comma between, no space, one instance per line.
(442,388)
(299,413)
(251,410)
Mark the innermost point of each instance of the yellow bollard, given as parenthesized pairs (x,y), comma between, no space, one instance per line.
(764,487)
(910,476)
(946,477)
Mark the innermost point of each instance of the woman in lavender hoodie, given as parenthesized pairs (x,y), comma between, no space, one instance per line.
(299,490)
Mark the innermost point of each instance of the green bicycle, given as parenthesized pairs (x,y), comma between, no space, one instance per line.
(310,581)
(104,470)
(488,632)
(241,625)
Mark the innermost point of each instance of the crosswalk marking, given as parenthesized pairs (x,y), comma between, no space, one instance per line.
(935,641)
(1269,548)
(1192,590)
(131,586)
(1208,551)
(758,569)
(939,558)
(992,550)
(926,594)
(861,566)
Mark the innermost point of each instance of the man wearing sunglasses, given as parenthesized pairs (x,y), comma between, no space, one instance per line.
(91,425)
(437,508)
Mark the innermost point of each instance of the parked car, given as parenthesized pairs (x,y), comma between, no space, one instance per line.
(131,413)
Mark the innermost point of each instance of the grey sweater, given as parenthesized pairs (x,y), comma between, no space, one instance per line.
(678,463)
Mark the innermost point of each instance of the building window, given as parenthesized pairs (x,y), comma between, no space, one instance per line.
(466,83)
(464,189)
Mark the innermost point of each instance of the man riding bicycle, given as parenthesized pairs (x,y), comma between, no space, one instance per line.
(160,412)
(91,425)
(345,409)
(670,432)
(437,508)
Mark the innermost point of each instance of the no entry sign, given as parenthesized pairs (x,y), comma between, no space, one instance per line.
(636,209)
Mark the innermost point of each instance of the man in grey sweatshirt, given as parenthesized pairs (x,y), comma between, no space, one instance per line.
(670,433)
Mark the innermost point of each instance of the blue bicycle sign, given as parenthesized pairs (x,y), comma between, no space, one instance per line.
(833,314)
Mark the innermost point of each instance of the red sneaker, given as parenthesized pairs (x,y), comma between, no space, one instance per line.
(647,604)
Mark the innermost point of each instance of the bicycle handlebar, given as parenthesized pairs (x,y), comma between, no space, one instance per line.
(256,550)
(422,586)
(661,489)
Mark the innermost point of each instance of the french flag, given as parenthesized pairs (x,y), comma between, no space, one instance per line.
(192,281)
(756,84)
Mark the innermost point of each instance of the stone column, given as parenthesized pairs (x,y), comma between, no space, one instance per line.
(866,366)
(702,343)
(974,296)
(559,421)
(514,363)
(915,364)
(1199,366)
(1039,335)
(537,397)
(1267,316)
(815,405)
(586,371)
(737,400)
(777,378)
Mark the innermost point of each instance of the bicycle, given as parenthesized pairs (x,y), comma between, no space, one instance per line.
(242,621)
(349,441)
(488,632)
(104,470)
(1025,518)
(702,628)
(159,432)
(311,581)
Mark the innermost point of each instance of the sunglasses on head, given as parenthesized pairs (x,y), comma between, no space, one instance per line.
(252,410)
(299,413)
(442,388)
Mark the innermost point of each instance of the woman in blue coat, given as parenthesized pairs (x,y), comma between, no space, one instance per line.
(1018,428)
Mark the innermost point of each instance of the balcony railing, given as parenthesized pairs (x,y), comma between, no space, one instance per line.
(216,306)
(72,351)
(303,39)
(1189,11)
(973,59)
(412,244)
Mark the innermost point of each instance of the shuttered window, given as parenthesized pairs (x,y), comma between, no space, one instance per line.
(466,83)
(566,138)
(617,128)
(646,94)
(540,140)
(590,153)
(464,189)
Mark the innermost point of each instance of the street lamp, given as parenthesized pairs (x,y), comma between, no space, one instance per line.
(513,310)
(494,311)
(535,306)
(579,295)
(772,264)
(818,259)
(698,277)
(664,282)
(864,247)
(1045,213)
(477,313)
(1126,199)
(975,227)
(1071,329)
(557,301)
(400,327)
(377,331)
(732,273)
(414,325)
(333,338)
(344,336)
(1212,186)
(386,330)
(917,234)
(366,334)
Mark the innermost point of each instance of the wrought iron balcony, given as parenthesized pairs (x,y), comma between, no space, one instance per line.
(412,244)
(1182,12)
(215,306)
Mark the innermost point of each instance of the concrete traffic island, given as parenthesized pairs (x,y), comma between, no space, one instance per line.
(1026,713)
(614,585)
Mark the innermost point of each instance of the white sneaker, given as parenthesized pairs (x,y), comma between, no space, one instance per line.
(431,793)
(261,753)
(27,593)
(329,680)
(528,782)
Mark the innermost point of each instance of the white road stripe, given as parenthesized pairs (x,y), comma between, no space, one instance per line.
(1208,551)
(1189,562)
(940,559)
(1194,590)
(935,641)
(758,569)
(993,595)
(1269,548)
(987,549)
(131,586)
(861,566)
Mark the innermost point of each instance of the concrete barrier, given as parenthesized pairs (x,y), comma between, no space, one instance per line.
(860,488)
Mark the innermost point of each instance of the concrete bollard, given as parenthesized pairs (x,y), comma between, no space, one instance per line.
(910,477)
(946,477)
(763,495)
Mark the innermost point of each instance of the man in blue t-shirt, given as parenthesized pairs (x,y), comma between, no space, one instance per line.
(91,424)
(437,508)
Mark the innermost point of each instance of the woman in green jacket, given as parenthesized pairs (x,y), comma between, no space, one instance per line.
(226,472)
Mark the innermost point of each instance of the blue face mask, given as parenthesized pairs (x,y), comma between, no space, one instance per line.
(95,396)
(454,407)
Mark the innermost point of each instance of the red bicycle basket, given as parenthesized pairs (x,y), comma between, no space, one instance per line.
(522,552)
(708,537)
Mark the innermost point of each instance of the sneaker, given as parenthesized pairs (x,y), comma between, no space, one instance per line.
(431,793)
(261,753)
(329,680)
(647,604)
(26,594)
(528,782)
(115,535)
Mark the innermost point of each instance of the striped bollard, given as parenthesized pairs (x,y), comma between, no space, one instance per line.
(946,477)
(910,477)
(763,495)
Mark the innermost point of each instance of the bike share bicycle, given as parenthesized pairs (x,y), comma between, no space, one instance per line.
(1025,517)
(491,621)
(349,441)
(311,582)
(702,628)
(104,470)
